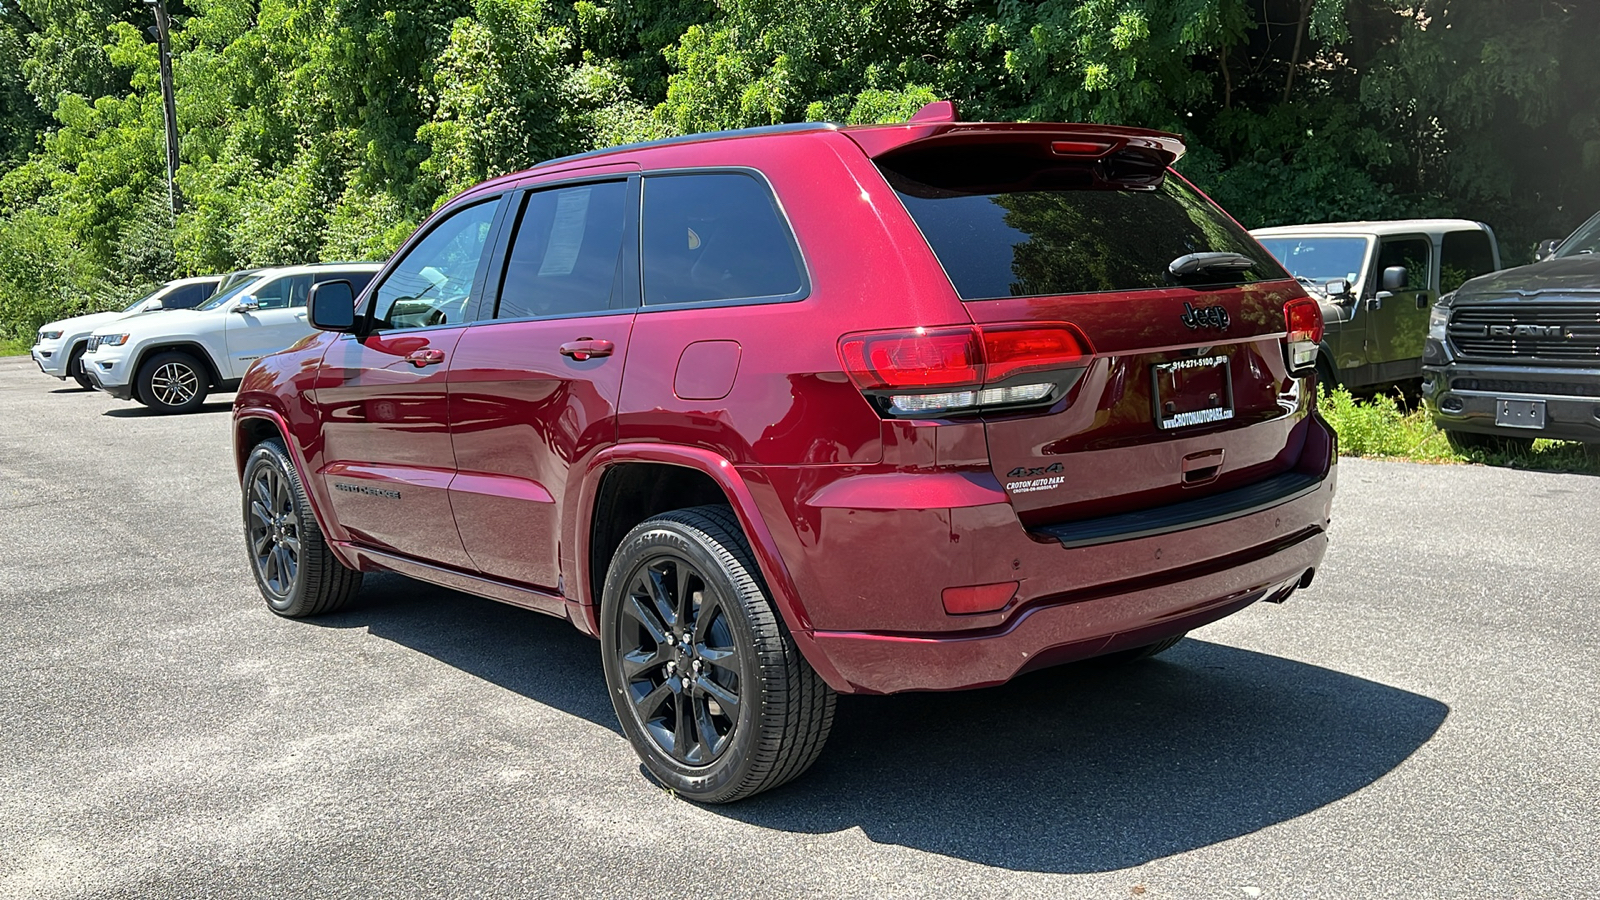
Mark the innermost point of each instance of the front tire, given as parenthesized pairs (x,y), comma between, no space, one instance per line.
(295,569)
(75,368)
(173,382)
(706,681)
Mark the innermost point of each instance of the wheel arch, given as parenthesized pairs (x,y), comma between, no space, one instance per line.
(608,507)
(193,348)
(253,425)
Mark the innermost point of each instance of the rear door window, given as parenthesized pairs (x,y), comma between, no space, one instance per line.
(564,257)
(187,297)
(1004,224)
(1463,255)
(715,236)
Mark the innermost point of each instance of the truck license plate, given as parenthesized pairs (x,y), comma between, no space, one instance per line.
(1192,391)
(1519,413)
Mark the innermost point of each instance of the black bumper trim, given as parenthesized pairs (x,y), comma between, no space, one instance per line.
(1196,513)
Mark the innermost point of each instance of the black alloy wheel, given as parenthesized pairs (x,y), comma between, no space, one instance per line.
(680,661)
(273,529)
(706,681)
(296,571)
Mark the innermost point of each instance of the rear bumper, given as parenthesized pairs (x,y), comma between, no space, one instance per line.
(1131,613)
(1463,397)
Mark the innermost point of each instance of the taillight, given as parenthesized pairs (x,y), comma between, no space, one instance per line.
(1303,319)
(970,367)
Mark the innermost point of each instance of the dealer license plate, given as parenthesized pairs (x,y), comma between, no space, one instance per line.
(1519,413)
(1192,391)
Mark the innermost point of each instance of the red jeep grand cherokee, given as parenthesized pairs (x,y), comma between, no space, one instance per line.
(798,410)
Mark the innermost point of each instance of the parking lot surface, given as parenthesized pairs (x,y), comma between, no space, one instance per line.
(1422,722)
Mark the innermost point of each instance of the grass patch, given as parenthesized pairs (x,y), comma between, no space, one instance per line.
(1383,427)
(14,347)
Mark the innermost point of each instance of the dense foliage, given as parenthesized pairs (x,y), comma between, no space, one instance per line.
(327,128)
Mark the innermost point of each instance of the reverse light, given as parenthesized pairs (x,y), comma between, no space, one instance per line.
(1303,319)
(928,371)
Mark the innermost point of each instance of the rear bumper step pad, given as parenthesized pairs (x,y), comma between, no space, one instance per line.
(1195,513)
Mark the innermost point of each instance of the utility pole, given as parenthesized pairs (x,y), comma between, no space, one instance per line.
(163,33)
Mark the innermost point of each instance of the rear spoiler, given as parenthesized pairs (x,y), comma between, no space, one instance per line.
(936,126)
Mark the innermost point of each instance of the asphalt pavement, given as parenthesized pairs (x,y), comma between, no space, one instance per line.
(1421,722)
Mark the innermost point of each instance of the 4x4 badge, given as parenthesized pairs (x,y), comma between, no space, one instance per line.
(1205,316)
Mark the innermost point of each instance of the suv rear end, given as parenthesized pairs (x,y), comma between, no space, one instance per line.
(790,412)
(1079,452)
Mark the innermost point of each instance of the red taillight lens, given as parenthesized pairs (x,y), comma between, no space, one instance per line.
(926,357)
(1303,318)
(1015,349)
(964,355)
(930,371)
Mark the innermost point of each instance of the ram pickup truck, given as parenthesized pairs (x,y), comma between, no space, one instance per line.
(1376,282)
(1515,355)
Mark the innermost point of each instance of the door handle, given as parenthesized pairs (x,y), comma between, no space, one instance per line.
(1375,304)
(587,348)
(1422,301)
(422,358)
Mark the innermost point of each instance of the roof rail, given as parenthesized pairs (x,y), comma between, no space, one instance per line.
(785,128)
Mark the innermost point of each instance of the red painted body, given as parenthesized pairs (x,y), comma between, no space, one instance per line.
(858,522)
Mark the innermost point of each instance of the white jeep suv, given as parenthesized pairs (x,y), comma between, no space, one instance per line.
(59,351)
(171,361)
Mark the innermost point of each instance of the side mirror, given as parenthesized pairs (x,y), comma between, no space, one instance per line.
(1546,249)
(1394,278)
(332,306)
(246,304)
(1338,287)
(150,306)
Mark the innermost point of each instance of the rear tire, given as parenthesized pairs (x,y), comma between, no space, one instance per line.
(75,368)
(1469,441)
(173,382)
(731,711)
(295,569)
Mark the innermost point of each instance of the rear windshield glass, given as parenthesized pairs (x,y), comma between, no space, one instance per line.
(1055,229)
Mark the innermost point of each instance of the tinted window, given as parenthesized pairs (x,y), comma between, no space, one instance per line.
(1463,255)
(714,237)
(1004,224)
(430,286)
(282,293)
(1413,253)
(563,258)
(187,297)
(1319,260)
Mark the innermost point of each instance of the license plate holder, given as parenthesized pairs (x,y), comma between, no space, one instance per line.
(1188,392)
(1511,412)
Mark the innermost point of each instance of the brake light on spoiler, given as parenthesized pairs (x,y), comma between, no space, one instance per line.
(964,368)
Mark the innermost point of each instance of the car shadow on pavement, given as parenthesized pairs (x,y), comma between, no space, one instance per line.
(140,411)
(1082,768)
